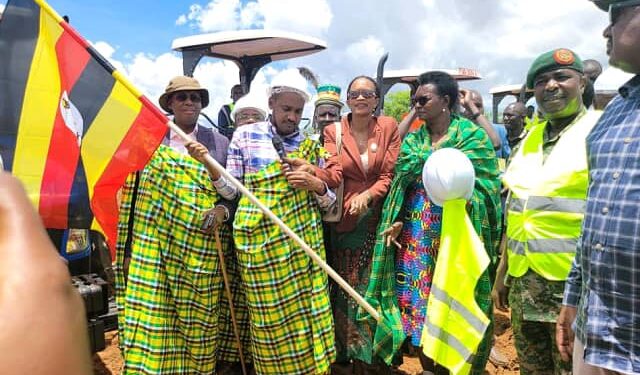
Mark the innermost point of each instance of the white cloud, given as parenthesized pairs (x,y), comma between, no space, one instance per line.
(612,78)
(311,17)
(182,19)
(219,15)
(498,38)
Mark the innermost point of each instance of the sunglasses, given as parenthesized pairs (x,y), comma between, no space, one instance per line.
(367,94)
(616,9)
(422,100)
(182,96)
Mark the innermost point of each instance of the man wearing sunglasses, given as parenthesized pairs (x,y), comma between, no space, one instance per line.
(601,296)
(170,284)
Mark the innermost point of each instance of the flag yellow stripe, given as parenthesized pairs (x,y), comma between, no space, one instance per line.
(41,99)
(49,11)
(107,132)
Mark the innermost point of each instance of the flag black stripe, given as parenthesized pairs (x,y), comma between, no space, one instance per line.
(88,94)
(90,91)
(104,62)
(79,207)
(19,30)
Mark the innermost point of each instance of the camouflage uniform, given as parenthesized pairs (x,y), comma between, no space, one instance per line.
(535,304)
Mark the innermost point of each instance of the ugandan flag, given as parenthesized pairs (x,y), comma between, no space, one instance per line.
(71,127)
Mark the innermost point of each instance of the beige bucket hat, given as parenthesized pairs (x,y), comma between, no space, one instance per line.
(183,83)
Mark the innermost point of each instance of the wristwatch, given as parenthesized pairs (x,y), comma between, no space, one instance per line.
(474,116)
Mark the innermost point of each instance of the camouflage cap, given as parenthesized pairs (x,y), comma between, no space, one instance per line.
(560,58)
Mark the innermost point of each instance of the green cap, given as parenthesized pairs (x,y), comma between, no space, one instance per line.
(561,58)
(328,94)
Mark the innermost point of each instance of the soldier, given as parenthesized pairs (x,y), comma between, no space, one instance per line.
(547,178)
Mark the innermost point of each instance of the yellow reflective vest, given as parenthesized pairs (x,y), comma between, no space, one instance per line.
(545,212)
(455,324)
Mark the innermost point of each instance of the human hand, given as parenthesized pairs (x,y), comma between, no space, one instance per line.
(467,103)
(213,218)
(500,294)
(391,234)
(360,203)
(197,151)
(297,164)
(44,313)
(564,332)
(306,181)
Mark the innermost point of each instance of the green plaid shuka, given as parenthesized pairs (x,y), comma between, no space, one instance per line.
(291,321)
(485,213)
(171,311)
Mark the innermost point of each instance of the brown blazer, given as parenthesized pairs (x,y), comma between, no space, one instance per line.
(384,134)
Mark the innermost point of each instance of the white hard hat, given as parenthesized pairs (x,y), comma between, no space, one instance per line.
(289,80)
(253,101)
(448,174)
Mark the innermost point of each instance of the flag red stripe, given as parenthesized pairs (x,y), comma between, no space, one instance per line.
(57,179)
(134,152)
(64,152)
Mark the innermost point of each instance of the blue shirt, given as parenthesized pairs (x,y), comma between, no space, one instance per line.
(604,282)
(505,150)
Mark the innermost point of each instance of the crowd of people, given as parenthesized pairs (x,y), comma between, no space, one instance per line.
(208,283)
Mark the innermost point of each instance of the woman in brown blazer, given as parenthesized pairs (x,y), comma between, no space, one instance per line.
(370,146)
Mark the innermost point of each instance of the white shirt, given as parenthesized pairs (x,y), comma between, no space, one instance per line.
(177,143)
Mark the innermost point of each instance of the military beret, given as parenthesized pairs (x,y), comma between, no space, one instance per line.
(561,58)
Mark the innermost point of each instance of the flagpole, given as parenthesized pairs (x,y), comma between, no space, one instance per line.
(307,249)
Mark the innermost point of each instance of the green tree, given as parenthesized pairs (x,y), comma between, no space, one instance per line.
(396,104)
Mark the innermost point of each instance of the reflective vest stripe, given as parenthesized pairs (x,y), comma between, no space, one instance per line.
(444,297)
(543,245)
(444,336)
(573,205)
(557,204)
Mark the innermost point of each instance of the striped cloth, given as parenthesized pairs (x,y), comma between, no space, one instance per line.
(291,321)
(170,312)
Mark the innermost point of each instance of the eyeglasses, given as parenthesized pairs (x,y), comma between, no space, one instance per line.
(422,100)
(367,94)
(250,116)
(182,96)
(616,9)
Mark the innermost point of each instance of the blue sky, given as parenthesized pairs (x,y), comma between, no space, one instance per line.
(131,26)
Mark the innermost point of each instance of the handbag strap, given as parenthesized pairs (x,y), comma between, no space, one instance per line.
(339,137)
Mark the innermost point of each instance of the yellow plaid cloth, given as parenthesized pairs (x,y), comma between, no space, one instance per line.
(170,312)
(291,321)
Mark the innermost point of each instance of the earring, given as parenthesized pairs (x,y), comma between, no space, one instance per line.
(444,109)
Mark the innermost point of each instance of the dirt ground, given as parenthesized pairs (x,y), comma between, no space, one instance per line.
(109,362)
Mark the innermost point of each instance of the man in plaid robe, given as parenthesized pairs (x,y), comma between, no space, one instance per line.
(174,316)
(291,320)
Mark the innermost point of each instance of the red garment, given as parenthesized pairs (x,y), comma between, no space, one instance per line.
(415,125)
